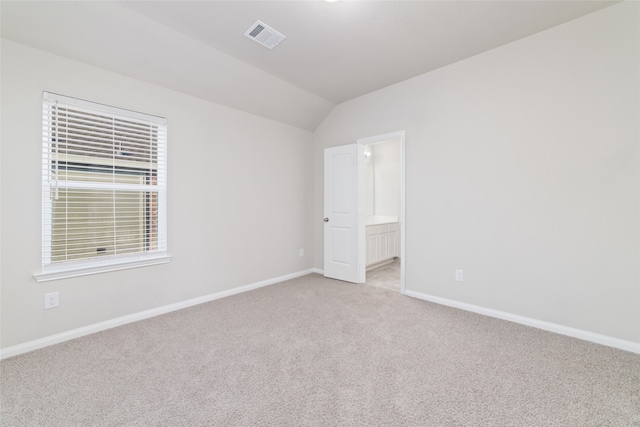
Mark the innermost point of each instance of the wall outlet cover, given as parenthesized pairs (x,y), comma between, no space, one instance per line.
(51,300)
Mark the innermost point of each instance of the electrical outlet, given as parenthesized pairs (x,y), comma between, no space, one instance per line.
(51,300)
(301,252)
(460,275)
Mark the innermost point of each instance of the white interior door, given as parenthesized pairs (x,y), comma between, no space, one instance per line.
(341,213)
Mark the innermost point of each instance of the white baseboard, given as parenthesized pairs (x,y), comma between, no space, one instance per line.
(108,324)
(631,346)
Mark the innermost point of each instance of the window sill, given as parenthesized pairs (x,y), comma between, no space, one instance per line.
(96,267)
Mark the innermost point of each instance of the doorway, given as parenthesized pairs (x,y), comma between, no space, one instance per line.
(382,197)
(354,240)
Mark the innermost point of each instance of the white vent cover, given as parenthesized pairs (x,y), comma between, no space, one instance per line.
(264,34)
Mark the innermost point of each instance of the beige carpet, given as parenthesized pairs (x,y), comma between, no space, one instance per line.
(318,352)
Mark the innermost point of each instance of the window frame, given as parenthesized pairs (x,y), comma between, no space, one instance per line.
(99,264)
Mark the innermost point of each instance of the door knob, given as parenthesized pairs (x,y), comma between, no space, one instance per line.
(326,220)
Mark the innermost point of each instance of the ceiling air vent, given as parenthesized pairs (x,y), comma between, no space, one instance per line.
(264,34)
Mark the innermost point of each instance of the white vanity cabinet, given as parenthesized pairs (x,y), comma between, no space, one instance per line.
(382,241)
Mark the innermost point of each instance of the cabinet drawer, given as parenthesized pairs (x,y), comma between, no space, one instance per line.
(372,229)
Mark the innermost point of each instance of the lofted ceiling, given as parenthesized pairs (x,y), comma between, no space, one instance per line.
(333,52)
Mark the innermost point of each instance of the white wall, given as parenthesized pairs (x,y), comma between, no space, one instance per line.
(238,195)
(386,166)
(369,182)
(381,175)
(522,168)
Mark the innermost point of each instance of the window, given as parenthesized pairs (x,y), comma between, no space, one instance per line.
(103,187)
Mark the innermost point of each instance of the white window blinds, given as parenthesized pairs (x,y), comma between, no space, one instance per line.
(104,182)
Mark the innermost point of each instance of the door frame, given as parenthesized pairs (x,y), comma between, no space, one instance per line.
(362,262)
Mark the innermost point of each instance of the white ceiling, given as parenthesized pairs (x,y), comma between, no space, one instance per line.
(333,51)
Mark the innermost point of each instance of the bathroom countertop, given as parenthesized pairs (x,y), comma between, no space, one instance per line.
(379,219)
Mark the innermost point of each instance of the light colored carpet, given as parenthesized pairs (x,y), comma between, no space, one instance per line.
(319,352)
